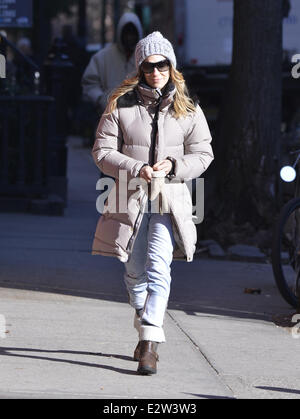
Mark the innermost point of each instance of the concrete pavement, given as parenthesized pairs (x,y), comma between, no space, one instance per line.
(69,326)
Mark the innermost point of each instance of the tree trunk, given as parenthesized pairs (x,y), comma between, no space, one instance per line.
(250,119)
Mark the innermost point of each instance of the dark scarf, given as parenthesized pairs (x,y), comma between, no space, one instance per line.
(159,99)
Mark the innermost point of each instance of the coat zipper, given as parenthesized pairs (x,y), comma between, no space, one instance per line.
(136,226)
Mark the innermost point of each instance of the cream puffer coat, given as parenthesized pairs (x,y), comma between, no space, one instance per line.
(123,143)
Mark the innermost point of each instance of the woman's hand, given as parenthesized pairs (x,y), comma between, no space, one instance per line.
(146,173)
(165,165)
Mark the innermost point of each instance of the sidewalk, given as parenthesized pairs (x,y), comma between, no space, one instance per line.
(69,325)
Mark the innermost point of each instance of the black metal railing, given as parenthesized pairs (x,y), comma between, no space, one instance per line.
(33,131)
(25,143)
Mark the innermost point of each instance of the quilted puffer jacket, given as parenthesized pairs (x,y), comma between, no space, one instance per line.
(123,145)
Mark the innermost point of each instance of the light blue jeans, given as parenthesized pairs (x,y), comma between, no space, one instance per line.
(148,274)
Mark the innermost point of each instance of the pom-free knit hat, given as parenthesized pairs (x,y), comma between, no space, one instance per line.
(154,44)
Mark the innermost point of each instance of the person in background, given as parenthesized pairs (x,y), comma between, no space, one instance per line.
(111,65)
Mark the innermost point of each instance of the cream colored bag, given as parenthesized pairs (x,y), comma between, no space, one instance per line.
(157,190)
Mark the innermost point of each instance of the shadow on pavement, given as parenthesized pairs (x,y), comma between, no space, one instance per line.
(210,396)
(279,389)
(7,352)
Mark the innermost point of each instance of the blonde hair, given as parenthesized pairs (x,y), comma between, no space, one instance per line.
(183,105)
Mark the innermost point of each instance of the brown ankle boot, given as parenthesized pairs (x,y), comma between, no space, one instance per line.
(136,355)
(148,357)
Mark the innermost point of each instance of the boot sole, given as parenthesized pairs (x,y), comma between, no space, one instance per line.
(146,370)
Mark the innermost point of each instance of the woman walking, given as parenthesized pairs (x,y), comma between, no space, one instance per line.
(152,132)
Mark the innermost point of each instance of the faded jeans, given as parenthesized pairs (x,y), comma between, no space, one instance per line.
(148,274)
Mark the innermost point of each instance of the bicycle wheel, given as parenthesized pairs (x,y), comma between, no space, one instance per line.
(286,252)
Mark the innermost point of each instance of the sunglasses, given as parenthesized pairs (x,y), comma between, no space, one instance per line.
(161,66)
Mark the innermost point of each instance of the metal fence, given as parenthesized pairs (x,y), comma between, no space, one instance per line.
(26,127)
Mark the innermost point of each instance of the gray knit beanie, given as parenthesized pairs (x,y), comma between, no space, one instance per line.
(154,44)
